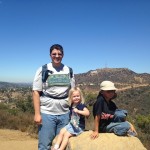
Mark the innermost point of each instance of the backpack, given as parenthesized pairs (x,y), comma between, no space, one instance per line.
(45,72)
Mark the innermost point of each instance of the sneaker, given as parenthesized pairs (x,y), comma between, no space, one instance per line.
(54,148)
(131,133)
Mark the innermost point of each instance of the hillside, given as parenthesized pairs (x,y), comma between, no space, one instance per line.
(122,77)
(133,95)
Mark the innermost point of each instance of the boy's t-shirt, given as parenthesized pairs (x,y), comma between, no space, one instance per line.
(101,106)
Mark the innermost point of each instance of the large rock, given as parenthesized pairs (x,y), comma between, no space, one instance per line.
(105,141)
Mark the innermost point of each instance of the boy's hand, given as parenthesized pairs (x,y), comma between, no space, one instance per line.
(106,116)
(94,135)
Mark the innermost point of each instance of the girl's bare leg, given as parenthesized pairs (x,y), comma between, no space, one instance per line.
(60,138)
(65,140)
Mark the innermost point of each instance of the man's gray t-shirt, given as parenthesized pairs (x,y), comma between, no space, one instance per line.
(57,85)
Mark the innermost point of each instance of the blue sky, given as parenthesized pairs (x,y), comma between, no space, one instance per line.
(94,33)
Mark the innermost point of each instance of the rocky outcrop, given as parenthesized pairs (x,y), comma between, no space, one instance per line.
(105,141)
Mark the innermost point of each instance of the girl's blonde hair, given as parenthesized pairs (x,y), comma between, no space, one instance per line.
(71,92)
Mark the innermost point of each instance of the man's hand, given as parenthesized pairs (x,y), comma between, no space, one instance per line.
(38,119)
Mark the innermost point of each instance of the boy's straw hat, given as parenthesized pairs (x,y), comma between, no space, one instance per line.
(107,85)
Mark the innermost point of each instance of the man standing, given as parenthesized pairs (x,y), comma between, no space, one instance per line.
(51,85)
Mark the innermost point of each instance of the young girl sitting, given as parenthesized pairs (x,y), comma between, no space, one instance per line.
(107,117)
(78,112)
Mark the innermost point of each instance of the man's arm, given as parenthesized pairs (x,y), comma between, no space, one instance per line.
(36,103)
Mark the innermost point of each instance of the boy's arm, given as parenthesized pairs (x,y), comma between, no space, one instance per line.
(95,133)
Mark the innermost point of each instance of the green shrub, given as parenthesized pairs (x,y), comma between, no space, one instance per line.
(143,122)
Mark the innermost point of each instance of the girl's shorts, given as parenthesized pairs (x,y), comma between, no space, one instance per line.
(71,129)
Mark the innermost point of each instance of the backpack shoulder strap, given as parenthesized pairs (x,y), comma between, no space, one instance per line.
(71,72)
(44,72)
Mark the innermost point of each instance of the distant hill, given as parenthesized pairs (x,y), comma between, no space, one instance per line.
(13,85)
(133,88)
(122,77)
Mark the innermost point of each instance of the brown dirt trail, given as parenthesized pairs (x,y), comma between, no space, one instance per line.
(16,140)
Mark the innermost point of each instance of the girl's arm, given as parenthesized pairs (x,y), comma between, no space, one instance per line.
(85,112)
(95,133)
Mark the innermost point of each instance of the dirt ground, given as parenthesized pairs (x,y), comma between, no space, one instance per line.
(16,140)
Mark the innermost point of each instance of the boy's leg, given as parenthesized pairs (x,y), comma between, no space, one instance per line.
(119,128)
(120,115)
